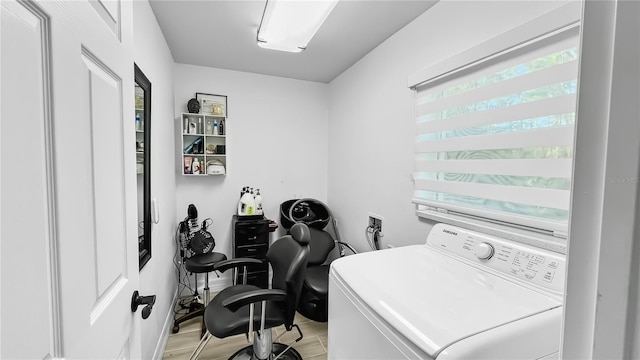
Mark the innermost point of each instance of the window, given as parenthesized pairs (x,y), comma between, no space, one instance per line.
(494,136)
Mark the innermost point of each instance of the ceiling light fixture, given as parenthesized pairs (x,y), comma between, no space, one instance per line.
(289,25)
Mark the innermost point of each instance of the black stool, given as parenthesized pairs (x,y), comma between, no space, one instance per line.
(198,264)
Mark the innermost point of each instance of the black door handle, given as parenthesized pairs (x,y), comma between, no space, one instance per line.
(137,300)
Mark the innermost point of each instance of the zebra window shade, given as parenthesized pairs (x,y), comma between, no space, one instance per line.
(495,139)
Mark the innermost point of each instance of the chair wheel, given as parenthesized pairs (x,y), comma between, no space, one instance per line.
(175,329)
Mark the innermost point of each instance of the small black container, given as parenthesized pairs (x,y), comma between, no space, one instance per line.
(193,106)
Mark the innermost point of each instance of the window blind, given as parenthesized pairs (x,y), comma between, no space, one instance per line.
(495,139)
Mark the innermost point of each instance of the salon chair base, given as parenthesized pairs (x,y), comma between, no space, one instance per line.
(247,353)
(263,348)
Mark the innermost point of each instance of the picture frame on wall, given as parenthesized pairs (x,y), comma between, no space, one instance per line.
(211,104)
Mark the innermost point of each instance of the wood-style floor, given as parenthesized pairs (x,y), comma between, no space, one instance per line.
(180,346)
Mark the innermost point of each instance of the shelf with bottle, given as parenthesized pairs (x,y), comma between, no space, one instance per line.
(214,126)
(202,165)
(206,125)
(140,120)
(203,144)
(139,141)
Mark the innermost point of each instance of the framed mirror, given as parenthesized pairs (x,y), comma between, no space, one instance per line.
(142,87)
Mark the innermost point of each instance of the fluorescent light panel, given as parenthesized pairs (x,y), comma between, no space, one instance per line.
(289,25)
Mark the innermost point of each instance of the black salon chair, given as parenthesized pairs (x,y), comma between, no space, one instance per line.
(248,309)
(313,302)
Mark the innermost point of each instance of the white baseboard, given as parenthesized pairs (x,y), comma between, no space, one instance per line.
(166,330)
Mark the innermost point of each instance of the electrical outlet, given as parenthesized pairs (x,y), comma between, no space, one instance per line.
(375,221)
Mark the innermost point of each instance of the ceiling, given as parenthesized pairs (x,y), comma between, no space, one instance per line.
(222,34)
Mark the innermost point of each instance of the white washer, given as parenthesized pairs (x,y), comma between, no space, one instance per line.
(462,295)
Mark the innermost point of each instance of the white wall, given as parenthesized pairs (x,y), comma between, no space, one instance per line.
(276,141)
(158,277)
(371,118)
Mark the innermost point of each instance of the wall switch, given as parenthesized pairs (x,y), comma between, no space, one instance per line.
(155,211)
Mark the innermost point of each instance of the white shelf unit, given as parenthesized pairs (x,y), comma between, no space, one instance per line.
(200,142)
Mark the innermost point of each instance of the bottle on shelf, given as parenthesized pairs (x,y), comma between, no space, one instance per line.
(195,166)
(221,127)
(215,127)
(209,128)
(138,122)
(251,209)
(258,201)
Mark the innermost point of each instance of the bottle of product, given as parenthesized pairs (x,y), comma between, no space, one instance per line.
(251,205)
(258,200)
(187,164)
(186,125)
(240,209)
(246,205)
(195,166)
(209,128)
(138,123)
(215,127)
(221,127)
(200,126)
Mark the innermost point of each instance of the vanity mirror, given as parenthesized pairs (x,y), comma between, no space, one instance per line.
(142,87)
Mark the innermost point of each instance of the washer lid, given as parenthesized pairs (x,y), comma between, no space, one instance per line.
(434,300)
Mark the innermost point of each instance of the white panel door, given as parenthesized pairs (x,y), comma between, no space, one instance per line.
(28,236)
(88,94)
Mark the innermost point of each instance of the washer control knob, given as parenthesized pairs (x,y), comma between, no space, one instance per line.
(483,251)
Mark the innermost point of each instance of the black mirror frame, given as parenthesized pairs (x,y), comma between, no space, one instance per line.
(144,254)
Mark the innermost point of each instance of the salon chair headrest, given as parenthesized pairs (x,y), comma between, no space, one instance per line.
(300,233)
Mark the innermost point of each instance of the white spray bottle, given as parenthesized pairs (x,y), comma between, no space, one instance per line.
(241,209)
(251,203)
